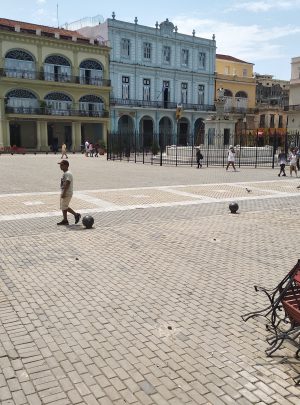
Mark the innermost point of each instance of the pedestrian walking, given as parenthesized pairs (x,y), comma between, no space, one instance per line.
(293,162)
(66,187)
(64,151)
(86,147)
(231,158)
(91,150)
(199,158)
(282,163)
(96,149)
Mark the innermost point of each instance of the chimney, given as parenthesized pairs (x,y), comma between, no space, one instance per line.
(56,35)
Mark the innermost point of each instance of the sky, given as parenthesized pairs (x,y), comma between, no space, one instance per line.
(263,32)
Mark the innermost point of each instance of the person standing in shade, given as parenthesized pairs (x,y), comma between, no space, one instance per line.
(66,186)
(199,158)
(64,151)
(86,147)
(282,163)
(231,158)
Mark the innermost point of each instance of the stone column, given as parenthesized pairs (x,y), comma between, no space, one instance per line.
(38,135)
(76,136)
(2,125)
(43,136)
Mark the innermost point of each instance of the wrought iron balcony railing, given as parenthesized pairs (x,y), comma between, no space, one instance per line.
(295,107)
(53,111)
(52,77)
(160,104)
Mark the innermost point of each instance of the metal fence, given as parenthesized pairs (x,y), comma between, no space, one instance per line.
(157,149)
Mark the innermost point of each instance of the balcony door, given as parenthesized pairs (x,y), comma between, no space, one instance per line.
(166,93)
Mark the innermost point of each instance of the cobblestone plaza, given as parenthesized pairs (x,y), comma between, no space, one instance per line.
(145,308)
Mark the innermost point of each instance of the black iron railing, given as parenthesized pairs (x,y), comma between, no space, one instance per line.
(52,77)
(54,111)
(177,149)
(160,104)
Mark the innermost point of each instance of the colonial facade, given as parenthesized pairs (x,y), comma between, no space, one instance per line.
(54,87)
(236,82)
(162,81)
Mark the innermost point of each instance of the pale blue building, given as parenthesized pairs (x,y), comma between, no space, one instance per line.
(163,82)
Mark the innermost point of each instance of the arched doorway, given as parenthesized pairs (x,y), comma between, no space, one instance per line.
(199,131)
(165,132)
(146,131)
(183,132)
(241,100)
(126,136)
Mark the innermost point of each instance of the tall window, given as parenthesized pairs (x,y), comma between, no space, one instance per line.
(147,50)
(125,88)
(184,93)
(201,94)
(167,54)
(125,47)
(202,60)
(184,57)
(280,121)
(245,72)
(146,89)
(272,121)
(262,121)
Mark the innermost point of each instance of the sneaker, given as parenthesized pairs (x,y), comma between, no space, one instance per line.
(284,175)
(298,186)
(77,218)
(278,175)
(63,222)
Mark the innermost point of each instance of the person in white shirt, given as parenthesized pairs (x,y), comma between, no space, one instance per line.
(231,158)
(66,187)
(282,163)
(293,162)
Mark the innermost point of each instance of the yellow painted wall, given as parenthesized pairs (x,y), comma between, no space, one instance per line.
(235,81)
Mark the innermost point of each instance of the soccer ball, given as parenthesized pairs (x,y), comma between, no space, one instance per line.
(88,221)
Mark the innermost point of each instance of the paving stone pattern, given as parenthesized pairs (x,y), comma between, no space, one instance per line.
(145,308)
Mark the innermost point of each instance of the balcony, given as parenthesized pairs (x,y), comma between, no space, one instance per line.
(51,77)
(55,112)
(160,104)
(295,107)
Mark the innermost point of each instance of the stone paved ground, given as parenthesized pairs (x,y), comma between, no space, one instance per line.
(145,308)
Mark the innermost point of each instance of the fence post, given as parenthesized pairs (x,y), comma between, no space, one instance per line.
(256,150)
(176,142)
(274,149)
(193,146)
(134,134)
(161,143)
(207,154)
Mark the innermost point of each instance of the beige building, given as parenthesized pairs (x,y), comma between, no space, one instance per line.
(54,87)
(294,102)
(235,86)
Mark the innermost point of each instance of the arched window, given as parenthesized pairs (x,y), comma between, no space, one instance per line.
(21,98)
(91,72)
(19,63)
(241,94)
(58,103)
(241,100)
(91,105)
(227,93)
(57,68)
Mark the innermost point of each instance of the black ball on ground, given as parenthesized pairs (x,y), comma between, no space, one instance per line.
(88,221)
(233,207)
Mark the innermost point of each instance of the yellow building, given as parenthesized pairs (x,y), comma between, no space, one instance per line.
(54,87)
(236,78)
